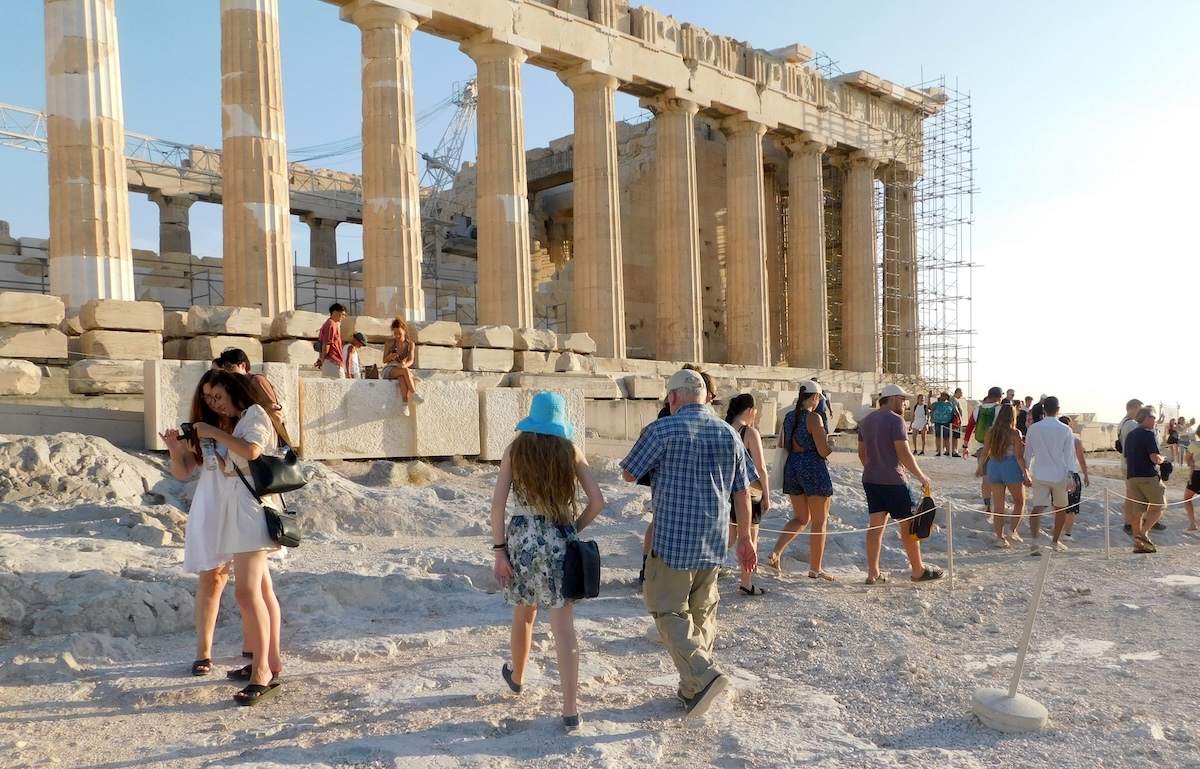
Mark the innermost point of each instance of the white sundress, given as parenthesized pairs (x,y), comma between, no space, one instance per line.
(242,527)
(203,522)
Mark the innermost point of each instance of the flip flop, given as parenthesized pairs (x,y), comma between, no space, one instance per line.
(929,575)
(881,579)
(244,673)
(822,575)
(202,667)
(256,694)
(775,562)
(752,590)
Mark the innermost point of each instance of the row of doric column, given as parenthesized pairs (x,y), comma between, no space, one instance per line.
(90,254)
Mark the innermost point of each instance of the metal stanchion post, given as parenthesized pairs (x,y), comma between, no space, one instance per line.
(950,542)
(1107,548)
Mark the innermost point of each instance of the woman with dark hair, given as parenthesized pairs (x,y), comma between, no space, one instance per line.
(242,531)
(741,414)
(235,359)
(541,468)
(1002,462)
(806,481)
(200,552)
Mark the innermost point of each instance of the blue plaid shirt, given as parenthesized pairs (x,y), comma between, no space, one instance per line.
(699,462)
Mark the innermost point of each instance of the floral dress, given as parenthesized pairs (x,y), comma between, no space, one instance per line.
(536,548)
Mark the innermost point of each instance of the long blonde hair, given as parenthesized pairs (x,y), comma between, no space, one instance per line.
(543,472)
(1000,434)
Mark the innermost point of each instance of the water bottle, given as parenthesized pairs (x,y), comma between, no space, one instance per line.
(208,447)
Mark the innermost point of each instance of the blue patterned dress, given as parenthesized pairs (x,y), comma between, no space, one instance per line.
(806,472)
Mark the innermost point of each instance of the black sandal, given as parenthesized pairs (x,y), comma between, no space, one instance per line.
(243,674)
(752,590)
(202,667)
(929,575)
(256,694)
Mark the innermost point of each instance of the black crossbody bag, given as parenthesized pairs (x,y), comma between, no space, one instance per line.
(282,525)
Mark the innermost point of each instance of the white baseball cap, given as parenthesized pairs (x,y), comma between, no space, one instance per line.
(810,388)
(685,378)
(894,389)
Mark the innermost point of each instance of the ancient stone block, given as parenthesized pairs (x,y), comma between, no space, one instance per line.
(71,326)
(590,386)
(118,315)
(483,359)
(578,342)
(298,351)
(264,327)
(19,377)
(112,377)
(446,333)
(207,347)
(532,361)
(645,387)
(102,344)
(569,361)
(534,339)
(500,408)
(621,420)
(374,329)
(27,309)
(488,336)
(222,320)
(175,325)
(434,357)
(32,343)
(175,349)
(297,324)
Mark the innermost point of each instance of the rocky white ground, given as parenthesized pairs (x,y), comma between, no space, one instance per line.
(394,636)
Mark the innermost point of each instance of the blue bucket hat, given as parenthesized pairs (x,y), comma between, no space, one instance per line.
(548,416)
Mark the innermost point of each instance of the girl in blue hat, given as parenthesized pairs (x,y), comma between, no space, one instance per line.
(541,467)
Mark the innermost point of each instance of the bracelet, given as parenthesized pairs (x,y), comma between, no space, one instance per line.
(500,547)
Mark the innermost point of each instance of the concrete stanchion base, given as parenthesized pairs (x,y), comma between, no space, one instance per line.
(1008,714)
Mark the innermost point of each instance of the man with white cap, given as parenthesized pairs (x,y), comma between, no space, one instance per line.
(699,463)
(885,455)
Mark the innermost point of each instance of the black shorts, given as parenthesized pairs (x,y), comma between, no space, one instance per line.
(755,512)
(893,499)
(1194,482)
(1074,497)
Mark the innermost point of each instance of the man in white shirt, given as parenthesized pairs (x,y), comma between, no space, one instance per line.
(350,356)
(1049,454)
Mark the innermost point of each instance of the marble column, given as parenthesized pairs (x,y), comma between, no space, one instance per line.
(860,292)
(174,220)
(322,241)
(391,191)
(900,259)
(255,196)
(599,286)
(746,304)
(808,291)
(679,328)
(502,209)
(90,252)
(776,268)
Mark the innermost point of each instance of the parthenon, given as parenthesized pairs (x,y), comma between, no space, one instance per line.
(836,136)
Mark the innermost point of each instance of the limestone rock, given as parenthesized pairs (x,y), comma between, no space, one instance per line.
(175,349)
(496,337)
(434,357)
(577,342)
(264,328)
(103,344)
(374,329)
(19,377)
(298,351)
(112,377)
(446,333)
(645,388)
(599,387)
(207,347)
(175,325)
(532,361)
(569,361)
(71,326)
(484,359)
(118,315)
(534,339)
(30,309)
(221,320)
(502,407)
(32,343)
(297,324)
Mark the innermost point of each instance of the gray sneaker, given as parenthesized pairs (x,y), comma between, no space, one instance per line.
(699,705)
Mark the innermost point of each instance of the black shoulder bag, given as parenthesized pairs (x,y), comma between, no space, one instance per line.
(282,525)
(277,475)
(581,569)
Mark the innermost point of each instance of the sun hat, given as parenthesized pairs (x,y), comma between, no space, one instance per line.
(358,337)
(811,387)
(685,378)
(894,389)
(547,416)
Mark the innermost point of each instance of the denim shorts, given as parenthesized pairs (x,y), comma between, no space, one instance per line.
(941,430)
(1005,471)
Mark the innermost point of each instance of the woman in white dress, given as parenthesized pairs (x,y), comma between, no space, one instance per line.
(200,554)
(242,528)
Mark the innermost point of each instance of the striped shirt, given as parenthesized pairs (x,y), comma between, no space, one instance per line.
(699,463)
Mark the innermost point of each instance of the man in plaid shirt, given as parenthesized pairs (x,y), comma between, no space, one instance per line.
(699,463)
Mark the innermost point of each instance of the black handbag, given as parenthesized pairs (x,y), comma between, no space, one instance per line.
(922,525)
(581,569)
(276,475)
(282,525)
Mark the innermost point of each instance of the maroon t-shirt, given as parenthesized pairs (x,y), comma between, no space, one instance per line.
(331,334)
(879,431)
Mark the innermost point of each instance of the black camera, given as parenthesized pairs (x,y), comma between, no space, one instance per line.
(187,432)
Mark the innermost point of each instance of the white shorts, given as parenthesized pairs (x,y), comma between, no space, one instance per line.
(1047,494)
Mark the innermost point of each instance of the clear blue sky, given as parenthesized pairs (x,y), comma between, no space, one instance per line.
(1084,117)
